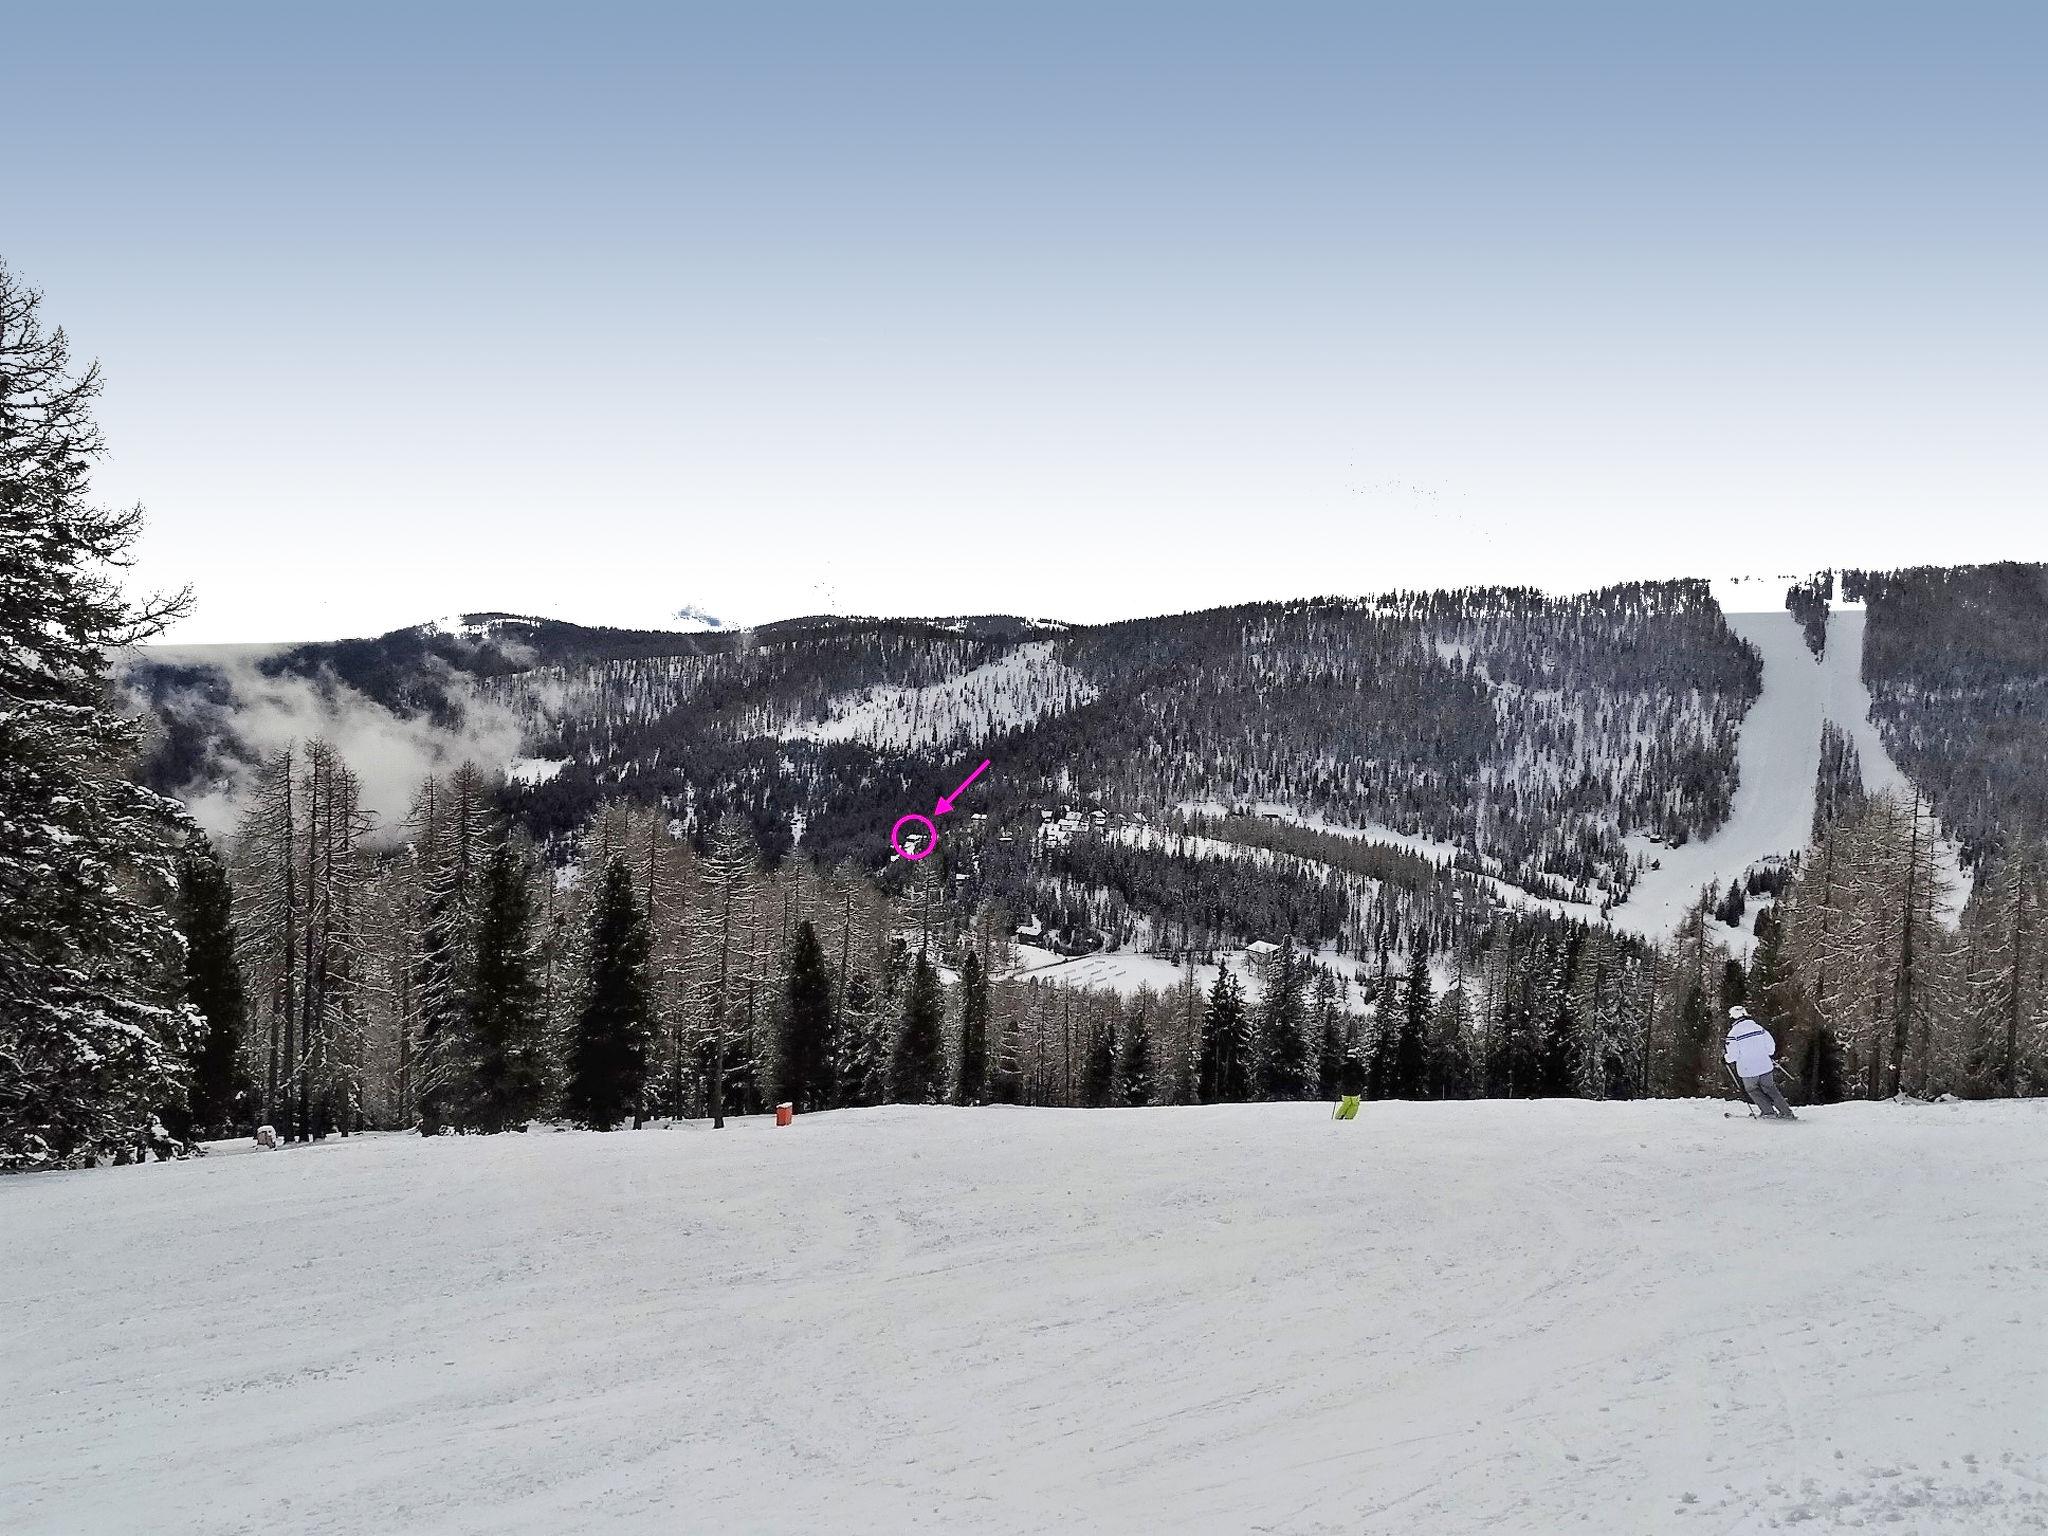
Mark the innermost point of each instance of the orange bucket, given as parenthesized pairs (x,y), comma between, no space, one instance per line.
(784,1113)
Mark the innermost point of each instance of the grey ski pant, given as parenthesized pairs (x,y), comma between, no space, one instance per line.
(1766,1095)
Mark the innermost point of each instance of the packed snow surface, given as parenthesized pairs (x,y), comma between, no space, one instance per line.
(1778,768)
(1518,1316)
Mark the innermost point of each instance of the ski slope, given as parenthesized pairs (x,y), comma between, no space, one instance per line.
(1778,768)
(1515,1316)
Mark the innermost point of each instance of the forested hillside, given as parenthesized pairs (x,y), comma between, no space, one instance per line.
(1535,732)
(1957,663)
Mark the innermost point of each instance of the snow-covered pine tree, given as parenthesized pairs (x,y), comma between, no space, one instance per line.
(1410,1074)
(502,1057)
(1283,1055)
(809,1027)
(972,1084)
(1383,1036)
(559,905)
(1326,1029)
(918,1072)
(1134,1053)
(607,1074)
(93,1036)
(219,1103)
(1098,1066)
(863,1068)
(1453,1065)
(1224,1067)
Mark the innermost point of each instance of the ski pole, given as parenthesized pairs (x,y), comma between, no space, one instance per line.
(1747,1102)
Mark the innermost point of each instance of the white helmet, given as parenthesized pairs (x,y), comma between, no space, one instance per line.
(1738,1012)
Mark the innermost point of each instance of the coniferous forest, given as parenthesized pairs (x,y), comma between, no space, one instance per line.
(694,915)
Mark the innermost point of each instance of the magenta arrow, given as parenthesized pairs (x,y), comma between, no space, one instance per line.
(946,801)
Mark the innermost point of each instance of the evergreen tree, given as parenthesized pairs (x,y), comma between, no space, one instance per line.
(608,1056)
(973,1031)
(1556,1024)
(220,1094)
(1411,1078)
(1283,1029)
(1134,1060)
(93,1036)
(504,1056)
(1383,1044)
(1450,1047)
(863,1049)
(1098,1067)
(808,1024)
(1326,1028)
(919,1070)
(1224,1066)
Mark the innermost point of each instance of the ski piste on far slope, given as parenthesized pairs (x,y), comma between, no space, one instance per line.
(1778,772)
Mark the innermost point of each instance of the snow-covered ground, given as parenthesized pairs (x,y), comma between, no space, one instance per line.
(1122,970)
(1524,1317)
(1778,763)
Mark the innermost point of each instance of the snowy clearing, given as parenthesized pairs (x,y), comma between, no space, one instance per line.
(1435,850)
(1020,687)
(1533,1316)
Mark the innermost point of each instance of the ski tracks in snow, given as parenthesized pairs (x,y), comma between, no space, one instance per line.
(1518,1316)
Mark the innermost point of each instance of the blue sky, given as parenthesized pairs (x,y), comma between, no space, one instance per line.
(1081,310)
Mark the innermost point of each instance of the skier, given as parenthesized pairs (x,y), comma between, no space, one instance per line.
(1350,1086)
(1752,1053)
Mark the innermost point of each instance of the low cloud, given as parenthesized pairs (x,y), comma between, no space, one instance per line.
(261,715)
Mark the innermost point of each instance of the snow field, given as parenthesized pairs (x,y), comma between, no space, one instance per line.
(1522,1316)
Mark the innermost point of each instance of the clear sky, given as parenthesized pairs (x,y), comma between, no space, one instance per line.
(1083,310)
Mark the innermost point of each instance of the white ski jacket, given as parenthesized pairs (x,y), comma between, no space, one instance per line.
(1751,1050)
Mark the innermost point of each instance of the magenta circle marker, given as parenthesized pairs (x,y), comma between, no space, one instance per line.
(896,832)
